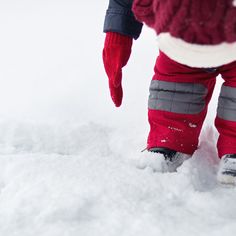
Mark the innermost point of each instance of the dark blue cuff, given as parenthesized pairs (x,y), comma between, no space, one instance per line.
(122,20)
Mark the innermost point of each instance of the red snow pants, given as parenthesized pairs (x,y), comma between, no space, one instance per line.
(178,101)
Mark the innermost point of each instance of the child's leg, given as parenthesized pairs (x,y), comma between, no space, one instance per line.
(226,113)
(179,96)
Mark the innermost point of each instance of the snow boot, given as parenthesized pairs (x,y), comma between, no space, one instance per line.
(227,170)
(172,159)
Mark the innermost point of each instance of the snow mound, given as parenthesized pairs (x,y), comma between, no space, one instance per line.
(101,190)
(64,138)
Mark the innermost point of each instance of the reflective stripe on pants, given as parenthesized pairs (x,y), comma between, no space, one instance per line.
(183,98)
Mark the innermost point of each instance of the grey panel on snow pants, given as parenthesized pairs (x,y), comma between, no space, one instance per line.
(183,98)
(227,103)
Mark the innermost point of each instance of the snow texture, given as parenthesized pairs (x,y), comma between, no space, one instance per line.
(70,163)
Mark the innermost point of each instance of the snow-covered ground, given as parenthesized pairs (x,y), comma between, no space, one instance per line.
(71,163)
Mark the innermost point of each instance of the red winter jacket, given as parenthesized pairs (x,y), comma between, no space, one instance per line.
(199,33)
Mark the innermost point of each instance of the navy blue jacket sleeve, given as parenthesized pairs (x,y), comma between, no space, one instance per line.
(120,18)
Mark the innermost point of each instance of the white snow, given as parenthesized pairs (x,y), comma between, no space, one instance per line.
(192,125)
(71,163)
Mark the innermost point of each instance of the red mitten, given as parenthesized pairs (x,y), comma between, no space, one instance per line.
(116,53)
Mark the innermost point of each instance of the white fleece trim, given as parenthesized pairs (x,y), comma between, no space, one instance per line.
(196,55)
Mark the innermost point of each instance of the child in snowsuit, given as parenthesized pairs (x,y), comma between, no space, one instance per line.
(197,42)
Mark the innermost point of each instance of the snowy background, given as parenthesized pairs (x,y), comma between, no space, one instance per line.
(70,162)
